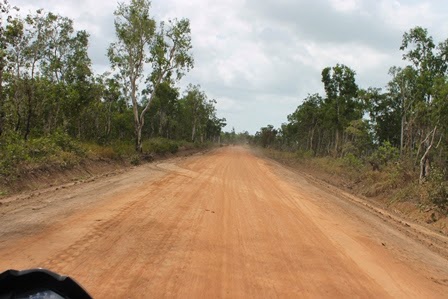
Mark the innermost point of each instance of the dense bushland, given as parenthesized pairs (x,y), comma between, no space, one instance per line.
(393,141)
(54,109)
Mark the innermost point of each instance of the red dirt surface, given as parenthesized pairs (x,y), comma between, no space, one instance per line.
(224,224)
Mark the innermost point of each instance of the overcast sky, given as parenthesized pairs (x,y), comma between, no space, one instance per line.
(260,58)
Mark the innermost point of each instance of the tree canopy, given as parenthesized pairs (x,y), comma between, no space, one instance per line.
(48,85)
(409,114)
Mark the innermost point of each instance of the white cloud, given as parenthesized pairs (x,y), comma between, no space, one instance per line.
(360,57)
(345,5)
(229,105)
(402,15)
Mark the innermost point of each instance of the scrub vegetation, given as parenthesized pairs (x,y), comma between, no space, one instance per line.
(391,142)
(54,110)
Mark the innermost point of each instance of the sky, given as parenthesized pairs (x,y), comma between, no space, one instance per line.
(260,58)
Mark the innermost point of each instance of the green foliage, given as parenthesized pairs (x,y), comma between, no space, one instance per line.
(235,138)
(200,113)
(58,149)
(123,148)
(352,161)
(266,137)
(160,146)
(385,154)
(341,104)
(396,131)
(438,189)
(325,125)
(95,151)
(385,115)
(54,110)
(301,154)
(406,124)
(66,143)
(390,180)
(12,152)
(359,139)
(135,159)
(166,48)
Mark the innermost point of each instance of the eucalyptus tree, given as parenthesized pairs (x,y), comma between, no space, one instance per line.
(163,110)
(27,44)
(67,66)
(385,114)
(403,88)
(197,117)
(308,121)
(45,52)
(429,63)
(214,128)
(5,20)
(141,43)
(111,96)
(17,40)
(266,136)
(341,92)
(195,103)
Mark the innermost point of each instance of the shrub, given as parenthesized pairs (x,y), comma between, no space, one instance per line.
(350,160)
(385,153)
(66,159)
(66,143)
(107,152)
(135,159)
(12,149)
(123,148)
(100,151)
(302,154)
(160,146)
(182,144)
(58,149)
(438,189)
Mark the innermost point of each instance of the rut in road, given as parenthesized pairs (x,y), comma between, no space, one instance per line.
(229,224)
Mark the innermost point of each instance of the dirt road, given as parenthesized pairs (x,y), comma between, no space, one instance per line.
(223,224)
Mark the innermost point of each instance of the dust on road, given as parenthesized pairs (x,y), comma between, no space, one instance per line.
(224,224)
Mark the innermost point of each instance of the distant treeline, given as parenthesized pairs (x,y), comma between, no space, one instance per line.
(47,84)
(406,123)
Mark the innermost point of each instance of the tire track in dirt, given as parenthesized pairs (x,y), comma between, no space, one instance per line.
(70,253)
(435,241)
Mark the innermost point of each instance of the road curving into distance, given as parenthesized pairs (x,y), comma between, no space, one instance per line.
(226,224)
